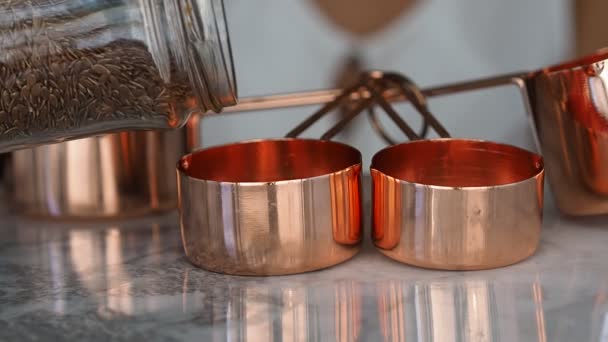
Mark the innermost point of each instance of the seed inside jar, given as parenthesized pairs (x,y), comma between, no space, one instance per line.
(50,83)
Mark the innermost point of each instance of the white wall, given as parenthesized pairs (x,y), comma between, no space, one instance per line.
(285,45)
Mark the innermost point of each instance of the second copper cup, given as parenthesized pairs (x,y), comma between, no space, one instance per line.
(457,204)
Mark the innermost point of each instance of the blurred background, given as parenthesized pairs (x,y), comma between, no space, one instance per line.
(288,46)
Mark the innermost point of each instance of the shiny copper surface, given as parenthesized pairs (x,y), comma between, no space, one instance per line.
(566,104)
(570,110)
(116,175)
(270,207)
(457,204)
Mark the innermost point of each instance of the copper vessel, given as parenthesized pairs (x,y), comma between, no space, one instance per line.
(270,207)
(457,204)
(110,176)
(569,106)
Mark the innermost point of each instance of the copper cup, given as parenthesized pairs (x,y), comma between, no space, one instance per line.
(569,109)
(270,207)
(457,204)
(105,177)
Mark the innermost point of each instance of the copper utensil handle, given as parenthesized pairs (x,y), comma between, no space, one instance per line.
(300,99)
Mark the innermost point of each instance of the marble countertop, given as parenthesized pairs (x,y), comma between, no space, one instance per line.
(129,281)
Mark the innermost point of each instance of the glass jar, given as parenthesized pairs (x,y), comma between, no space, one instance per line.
(77,68)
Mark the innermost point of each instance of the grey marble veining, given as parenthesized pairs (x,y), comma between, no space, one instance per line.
(130,282)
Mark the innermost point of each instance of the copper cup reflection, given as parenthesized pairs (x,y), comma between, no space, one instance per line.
(270,207)
(291,310)
(457,204)
(468,310)
(94,258)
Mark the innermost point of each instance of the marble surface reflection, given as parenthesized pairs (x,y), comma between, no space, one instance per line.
(130,281)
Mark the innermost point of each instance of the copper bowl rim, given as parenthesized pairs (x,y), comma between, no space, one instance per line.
(539,165)
(355,162)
